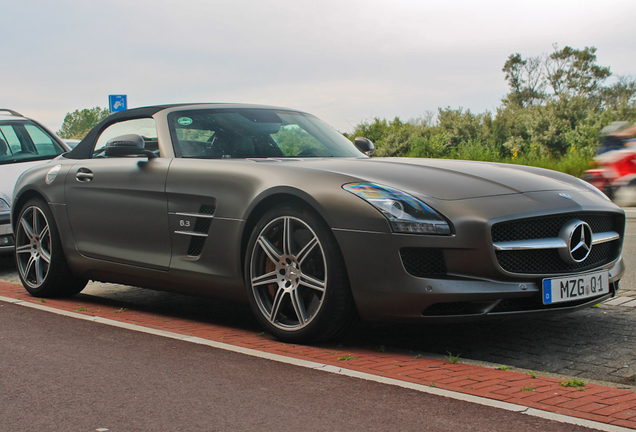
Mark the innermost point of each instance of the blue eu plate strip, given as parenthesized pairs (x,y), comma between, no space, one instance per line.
(547,291)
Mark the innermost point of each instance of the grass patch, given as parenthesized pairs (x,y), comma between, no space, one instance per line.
(572,383)
(81,309)
(528,389)
(504,368)
(347,358)
(452,359)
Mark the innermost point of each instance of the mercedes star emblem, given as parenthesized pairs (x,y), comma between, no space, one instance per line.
(578,238)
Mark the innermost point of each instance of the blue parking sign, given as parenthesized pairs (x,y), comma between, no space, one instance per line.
(117,103)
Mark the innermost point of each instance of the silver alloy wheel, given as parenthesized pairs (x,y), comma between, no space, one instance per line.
(288,273)
(33,246)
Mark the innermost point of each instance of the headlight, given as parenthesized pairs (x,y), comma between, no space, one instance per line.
(4,206)
(406,214)
(594,188)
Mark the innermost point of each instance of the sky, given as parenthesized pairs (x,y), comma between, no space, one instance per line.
(346,61)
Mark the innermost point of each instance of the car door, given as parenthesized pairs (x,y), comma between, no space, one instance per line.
(117,206)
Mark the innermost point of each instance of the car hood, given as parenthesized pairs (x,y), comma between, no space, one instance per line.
(9,174)
(448,179)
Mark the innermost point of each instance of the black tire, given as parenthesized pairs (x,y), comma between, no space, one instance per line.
(39,256)
(298,289)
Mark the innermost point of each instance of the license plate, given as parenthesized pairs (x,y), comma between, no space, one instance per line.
(575,287)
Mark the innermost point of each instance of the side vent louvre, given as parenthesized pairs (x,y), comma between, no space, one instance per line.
(196,246)
(207,210)
(201,226)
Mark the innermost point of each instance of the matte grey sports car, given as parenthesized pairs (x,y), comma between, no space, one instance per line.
(272,206)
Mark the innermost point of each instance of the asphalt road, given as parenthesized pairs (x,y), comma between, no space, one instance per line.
(591,344)
(62,374)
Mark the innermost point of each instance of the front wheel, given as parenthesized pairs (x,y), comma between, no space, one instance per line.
(39,257)
(296,278)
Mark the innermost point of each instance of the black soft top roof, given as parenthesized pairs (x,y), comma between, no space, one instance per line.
(84,148)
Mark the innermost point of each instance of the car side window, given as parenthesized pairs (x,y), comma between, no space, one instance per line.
(145,127)
(10,137)
(27,141)
(43,143)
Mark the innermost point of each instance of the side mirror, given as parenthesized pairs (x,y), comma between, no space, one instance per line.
(365,145)
(127,145)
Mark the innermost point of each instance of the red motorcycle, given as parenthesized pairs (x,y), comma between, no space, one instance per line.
(614,169)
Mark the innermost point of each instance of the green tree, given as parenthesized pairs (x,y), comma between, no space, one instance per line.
(375,131)
(565,73)
(619,94)
(462,126)
(574,72)
(78,123)
(526,80)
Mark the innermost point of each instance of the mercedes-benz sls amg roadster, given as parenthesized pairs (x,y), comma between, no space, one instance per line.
(272,206)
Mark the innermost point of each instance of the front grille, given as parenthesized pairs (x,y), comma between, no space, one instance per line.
(544,261)
(549,261)
(423,262)
(550,226)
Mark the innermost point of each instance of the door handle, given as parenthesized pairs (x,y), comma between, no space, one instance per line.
(84,175)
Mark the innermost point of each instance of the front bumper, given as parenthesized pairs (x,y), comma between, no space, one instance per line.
(384,290)
(7,245)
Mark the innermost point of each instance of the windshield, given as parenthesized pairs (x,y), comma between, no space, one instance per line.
(24,142)
(255,133)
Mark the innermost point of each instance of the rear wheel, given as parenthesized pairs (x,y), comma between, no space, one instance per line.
(296,279)
(39,257)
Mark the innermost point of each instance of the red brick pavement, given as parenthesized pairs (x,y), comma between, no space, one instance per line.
(593,402)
